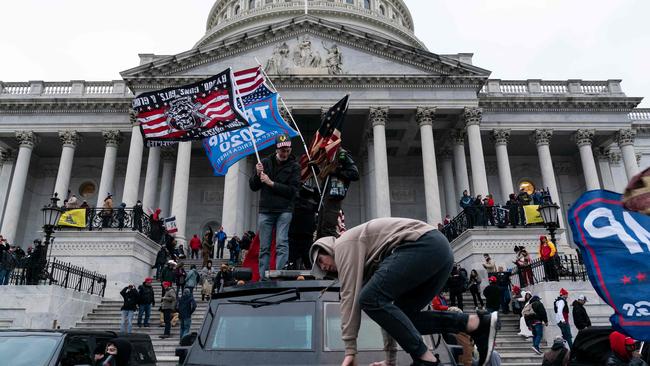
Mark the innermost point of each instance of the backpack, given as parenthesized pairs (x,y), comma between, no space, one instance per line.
(528,311)
(558,360)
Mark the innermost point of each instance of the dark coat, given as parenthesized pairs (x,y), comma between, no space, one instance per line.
(540,312)
(130,296)
(492,295)
(286,177)
(186,306)
(580,316)
(146,295)
(168,275)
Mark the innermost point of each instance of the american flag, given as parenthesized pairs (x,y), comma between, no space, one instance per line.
(191,111)
(248,80)
(326,141)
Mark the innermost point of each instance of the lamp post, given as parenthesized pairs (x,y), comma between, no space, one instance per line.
(549,213)
(51,214)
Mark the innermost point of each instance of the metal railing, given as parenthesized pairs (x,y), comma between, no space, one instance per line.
(473,216)
(558,268)
(116,218)
(58,273)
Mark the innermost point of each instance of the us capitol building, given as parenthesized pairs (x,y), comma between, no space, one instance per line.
(422,126)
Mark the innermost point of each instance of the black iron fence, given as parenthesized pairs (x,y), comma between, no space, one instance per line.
(558,268)
(475,216)
(58,273)
(117,218)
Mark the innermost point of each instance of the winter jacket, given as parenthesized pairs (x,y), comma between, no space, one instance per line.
(490,267)
(226,277)
(540,312)
(169,300)
(346,172)
(474,281)
(466,201)
(161,257)
(192,278)
(122,357)
(186,305)
(8,260)
(552,356)
(358,253)
(146,295)
(549,252)
(130,296)
(168,275)
(456,282)
(286,178)
(561,310)
(180,275)
(492,295)
(439,303)
(580,316)
(195,243)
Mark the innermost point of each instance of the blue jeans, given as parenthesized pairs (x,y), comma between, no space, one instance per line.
(146,310)
(186,323)
(505,299)
(267,221)
(566,333)
(126,321)
(405,282)
(4,276)
(538,333)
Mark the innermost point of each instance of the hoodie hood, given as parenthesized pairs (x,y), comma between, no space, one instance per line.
(123,351)
(618,341)
(535,298)
(558,344)
(325,243)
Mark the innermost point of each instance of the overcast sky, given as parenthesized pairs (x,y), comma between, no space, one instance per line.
(515,39)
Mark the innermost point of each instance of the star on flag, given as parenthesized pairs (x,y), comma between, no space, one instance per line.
(626,280)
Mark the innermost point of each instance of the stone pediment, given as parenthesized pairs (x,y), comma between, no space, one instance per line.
(305,46)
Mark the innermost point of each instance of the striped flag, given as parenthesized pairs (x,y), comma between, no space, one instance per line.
(190,112)
(326,141)
(248,80)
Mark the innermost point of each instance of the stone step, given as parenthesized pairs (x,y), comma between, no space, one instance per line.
(521,356)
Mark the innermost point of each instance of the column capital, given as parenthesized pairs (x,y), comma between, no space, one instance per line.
(602,153)
(69,138)
(378,116)
(112,137)
(501,136)
(425,116)
(457,136)
(5,155)
(615,158)
(638,158)
(542,136)
(27,138)
(625,137)
(168,154)
(472,116)
(584,137)
(132,118)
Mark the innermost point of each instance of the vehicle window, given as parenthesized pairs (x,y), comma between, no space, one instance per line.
(27,350)
(370,338)
(281,327)
(76,351)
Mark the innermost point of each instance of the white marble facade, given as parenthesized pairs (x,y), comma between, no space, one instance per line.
(421,126)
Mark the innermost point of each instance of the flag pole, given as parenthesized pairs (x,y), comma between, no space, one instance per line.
(250,130)
(295,124)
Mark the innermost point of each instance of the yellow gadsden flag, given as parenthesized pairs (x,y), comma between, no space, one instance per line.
(532,215)
(73,218)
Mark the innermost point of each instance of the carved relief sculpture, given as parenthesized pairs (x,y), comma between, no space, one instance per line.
(304,56)
(334,61)
(278,63)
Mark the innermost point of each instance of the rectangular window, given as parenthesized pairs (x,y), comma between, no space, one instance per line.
(370,338)
(282,327)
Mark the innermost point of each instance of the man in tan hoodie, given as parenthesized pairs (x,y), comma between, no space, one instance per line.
(391,268)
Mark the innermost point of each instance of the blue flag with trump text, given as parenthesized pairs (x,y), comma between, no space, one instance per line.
(261,111)
(615,246)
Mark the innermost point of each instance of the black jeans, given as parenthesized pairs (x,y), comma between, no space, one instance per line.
(167,317)
(456,299)
(404,284)
(476,295)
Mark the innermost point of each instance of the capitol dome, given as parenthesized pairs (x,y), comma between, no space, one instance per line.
(390,19)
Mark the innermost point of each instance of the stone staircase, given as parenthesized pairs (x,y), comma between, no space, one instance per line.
(107,317)
(514,349)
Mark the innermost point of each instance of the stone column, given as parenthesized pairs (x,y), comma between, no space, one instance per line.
(27,140)
(166,181)
(378,118)
(602,156)
(543,140)
(620,178)
(151,179)
(460,164)
(584,139)
(69,139)
(232,211)
(424,117)
(501,138)
(133,168)
(479,177)
(181,189)
(625,140)
(112,138)
(451,199)
(7,163)
(372,190)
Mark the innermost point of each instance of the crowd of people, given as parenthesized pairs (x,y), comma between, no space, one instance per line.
(20,267)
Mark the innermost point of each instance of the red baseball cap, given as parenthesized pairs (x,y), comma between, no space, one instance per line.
(493,279)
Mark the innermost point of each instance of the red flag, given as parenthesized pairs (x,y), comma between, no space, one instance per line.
(252,256)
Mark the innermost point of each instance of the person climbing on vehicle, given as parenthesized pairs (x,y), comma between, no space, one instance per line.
(391,268)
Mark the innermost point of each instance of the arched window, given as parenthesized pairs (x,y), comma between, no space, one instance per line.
(382,10)
(251,4)
(366,4)
(237,10)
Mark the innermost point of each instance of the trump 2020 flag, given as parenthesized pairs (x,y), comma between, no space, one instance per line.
(261,108)
(189,112)
(615,244)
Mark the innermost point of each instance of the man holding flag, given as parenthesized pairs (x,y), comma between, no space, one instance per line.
(278,179)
